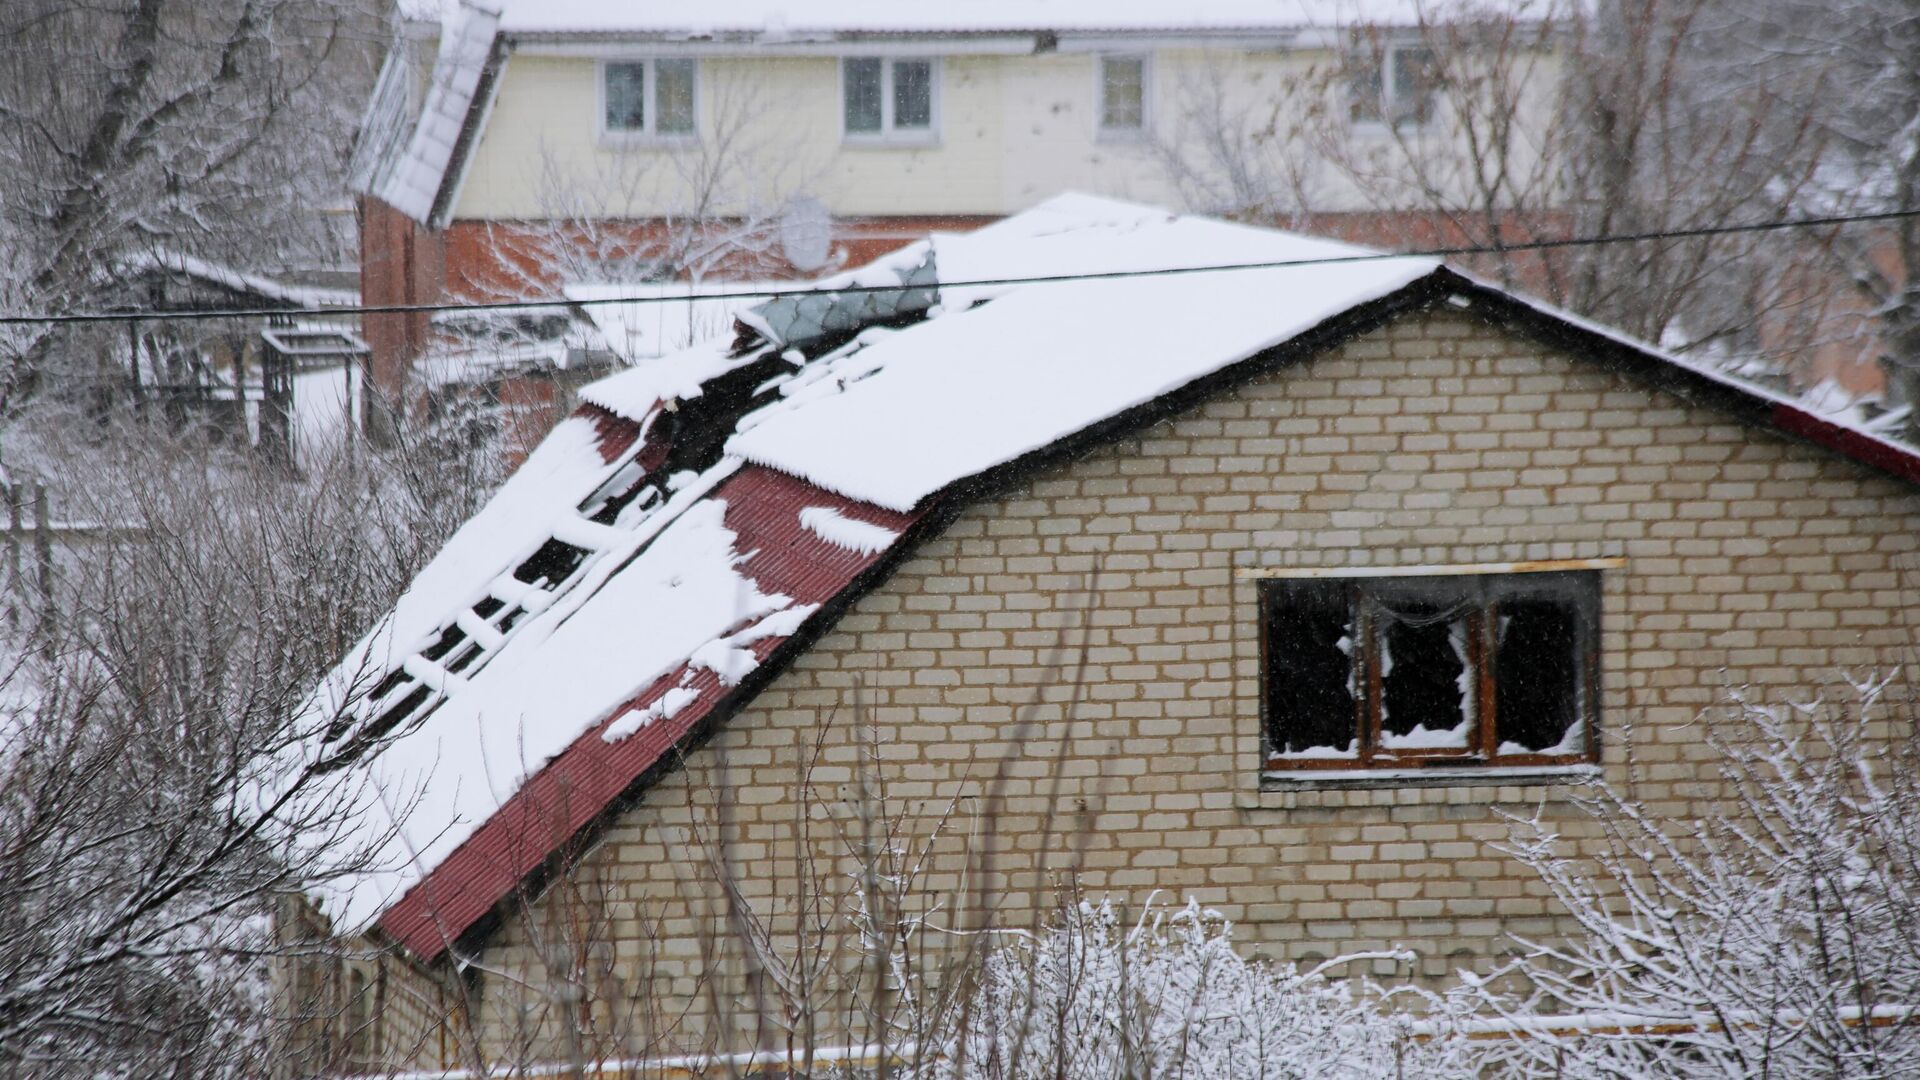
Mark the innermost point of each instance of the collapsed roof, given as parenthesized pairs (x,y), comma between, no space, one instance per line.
(705,515)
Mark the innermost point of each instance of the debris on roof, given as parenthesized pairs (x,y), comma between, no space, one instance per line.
(665,317)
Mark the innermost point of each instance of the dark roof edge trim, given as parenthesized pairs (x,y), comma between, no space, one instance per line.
(1747,404)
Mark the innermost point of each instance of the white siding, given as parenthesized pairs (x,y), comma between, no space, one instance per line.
(1013,130)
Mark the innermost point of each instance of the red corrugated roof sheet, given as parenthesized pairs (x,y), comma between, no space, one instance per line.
(763,510)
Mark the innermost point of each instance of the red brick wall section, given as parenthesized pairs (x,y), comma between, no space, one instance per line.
(401,263)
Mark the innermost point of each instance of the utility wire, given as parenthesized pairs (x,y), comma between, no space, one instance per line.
(1704,231)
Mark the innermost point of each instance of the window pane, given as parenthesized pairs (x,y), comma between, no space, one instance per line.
(626,96)
(912,94)
(1122,92)
(863,95)
(1412,83)
(673,96)
(1364,87)
(1310,710)
(1539,650)
(1426,677)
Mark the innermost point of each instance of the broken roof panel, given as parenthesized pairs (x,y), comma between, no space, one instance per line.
(981,385)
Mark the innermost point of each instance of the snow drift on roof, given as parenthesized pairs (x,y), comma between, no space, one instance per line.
(408,176)
(773,17)
(987,382)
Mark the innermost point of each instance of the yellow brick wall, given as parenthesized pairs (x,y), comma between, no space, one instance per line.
(1749,560)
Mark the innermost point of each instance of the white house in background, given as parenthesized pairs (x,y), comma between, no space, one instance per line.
(742,138)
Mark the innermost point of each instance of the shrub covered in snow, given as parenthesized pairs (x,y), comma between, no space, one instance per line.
(1779,935)
(1169,996)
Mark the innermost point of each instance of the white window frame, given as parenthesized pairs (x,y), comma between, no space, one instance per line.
(1388,106)
(650,96)
(1103,133)
(888,135)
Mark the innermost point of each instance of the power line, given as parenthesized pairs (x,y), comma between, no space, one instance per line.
(1703,232)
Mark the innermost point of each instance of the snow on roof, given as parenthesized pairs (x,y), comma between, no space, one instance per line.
(626,592)
(776,18)
(312,297)
(706,506)
(981,385)
(667,316)
(408,174)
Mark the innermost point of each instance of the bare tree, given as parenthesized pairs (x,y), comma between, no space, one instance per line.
(162,793)
(217,128)
(666,209)
(1506,127)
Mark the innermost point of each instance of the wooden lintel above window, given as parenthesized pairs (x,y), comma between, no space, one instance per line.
(1537,566)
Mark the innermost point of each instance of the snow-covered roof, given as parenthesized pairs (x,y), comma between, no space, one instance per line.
(962,16)
(665,549)
(295,294)
(778,17)
(665,317)
(410,170)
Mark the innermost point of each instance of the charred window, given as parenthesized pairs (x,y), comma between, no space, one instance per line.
(1398,672)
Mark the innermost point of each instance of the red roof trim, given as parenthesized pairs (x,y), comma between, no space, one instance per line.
(1900,460)
(763,509)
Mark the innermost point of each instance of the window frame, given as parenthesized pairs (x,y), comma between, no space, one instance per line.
(1102,132)
(649,131)
(1389,111)
(889,134)
(1581,580)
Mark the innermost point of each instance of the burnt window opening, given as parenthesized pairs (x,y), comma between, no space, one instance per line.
(1404,672)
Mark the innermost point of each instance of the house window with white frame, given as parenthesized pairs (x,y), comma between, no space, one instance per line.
(1391,83)
(1123,95)
(889,99)
(648,98)
(1410,672)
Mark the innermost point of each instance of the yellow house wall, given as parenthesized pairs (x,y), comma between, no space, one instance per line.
(1012,130)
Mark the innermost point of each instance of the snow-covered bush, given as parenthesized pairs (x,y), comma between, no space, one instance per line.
(1778,935)
(149,700)
(1169,996)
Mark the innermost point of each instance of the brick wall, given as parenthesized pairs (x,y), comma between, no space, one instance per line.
(401,263)
(1749,559)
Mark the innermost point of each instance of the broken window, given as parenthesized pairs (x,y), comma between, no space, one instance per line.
(1394,672)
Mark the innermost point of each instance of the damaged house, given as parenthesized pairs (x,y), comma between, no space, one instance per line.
(1274,587)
